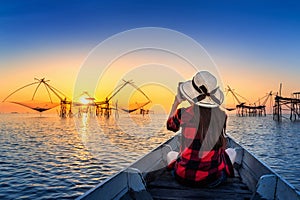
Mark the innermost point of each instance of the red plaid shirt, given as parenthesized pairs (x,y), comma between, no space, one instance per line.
(200,162)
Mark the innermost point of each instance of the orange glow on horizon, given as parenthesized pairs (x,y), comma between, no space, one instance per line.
(147,69)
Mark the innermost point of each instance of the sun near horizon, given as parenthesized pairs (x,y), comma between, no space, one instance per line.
(159,82)
(156,72)
(161,96)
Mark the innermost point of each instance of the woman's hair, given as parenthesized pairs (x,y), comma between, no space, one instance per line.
(211,121)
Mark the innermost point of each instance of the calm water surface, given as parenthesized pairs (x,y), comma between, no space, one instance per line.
(45,157)
(277,144)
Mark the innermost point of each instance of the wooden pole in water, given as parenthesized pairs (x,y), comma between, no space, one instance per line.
(292,117)
(278,105)
(277,109)
(280,87)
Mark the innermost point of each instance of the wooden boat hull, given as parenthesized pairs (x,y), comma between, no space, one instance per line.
(258,180)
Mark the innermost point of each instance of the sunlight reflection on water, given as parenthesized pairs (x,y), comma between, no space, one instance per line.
(48,157)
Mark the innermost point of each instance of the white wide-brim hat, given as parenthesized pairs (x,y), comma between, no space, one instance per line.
(202,90)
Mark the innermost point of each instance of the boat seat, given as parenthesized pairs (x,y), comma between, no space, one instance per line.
(162,185)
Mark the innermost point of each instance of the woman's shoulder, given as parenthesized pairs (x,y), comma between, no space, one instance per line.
(193,109)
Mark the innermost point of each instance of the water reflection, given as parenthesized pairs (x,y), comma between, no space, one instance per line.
(49,157)
(124,139)
(277,144)
(63,158)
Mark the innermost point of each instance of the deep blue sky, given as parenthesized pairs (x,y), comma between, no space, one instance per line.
(241,36)
(36,22)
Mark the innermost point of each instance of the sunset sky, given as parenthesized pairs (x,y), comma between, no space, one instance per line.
(254,44)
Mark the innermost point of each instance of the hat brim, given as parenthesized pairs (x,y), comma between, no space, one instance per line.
(188,91)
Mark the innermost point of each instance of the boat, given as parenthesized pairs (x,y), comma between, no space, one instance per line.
(148,178)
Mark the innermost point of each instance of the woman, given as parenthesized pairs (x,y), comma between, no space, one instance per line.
(202,160)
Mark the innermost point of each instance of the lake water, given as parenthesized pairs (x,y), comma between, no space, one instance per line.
(45,157)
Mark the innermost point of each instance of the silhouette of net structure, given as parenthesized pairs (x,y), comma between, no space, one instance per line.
(104,107)
(39,105)
(250,109)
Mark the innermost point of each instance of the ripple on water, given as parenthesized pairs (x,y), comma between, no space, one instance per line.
(49,158)
(277,144)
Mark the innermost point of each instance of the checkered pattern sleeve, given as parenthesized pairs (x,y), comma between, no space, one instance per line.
(173,123)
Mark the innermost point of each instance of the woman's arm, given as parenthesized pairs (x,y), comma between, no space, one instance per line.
(177,100)
(174,119)
(175,104)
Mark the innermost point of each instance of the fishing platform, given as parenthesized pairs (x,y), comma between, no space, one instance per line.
(251,109)
(85,103)
(291,105)
(42,106)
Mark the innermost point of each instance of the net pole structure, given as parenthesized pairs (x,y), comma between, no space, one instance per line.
(19,90)
(112,94)
(233,99)
(134,109)
(141,91)
(115,92)
(64,111)
(103,107)
(106,110)
(38,106)
(36,89)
